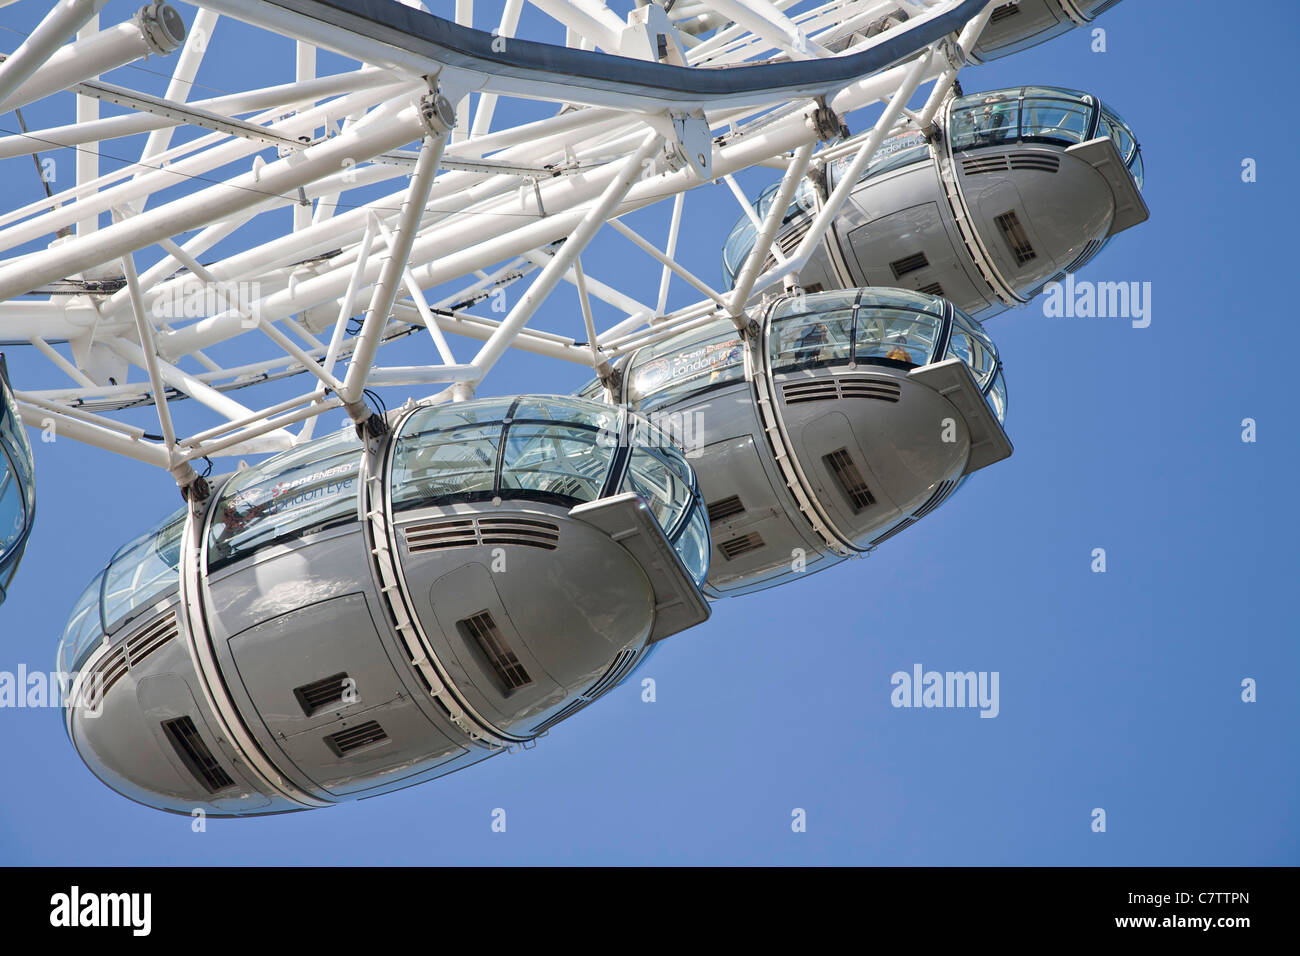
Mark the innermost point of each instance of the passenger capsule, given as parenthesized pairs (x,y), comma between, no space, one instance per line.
(344,620)
(1024,186)
(17,485)
(838,420)
(1018,25)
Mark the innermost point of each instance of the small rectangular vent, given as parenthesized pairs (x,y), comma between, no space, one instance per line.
(1017,239)
(979,165)
(354,738)
(615,673)
(152,638)
(725,508)
(482,632)
(810,390)
(1043,162)
(913,263)
(901,526)
(846,473)
(322,694)
(743,545)
(844,386)
(1083,258)
(932,289)
(1004,11)
(470,532)
(789,241)
(194,753)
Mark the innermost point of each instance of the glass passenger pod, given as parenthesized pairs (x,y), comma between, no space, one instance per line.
(17,485)
(1039,114)
(554,450)
(743,235)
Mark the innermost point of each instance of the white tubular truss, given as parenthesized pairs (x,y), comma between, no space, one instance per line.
(402,193)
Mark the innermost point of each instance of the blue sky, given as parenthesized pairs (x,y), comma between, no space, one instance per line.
(1119,690)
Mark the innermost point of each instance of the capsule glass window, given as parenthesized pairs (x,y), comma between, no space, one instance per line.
(887,335)
(812,339)
(673,370)
(302,491)
(969,343)
(83,630)
(984,119)
(142,570)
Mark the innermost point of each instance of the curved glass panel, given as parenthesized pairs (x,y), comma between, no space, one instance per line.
(685,365)
(997,397)
(142,570)
(554,460)
(17,485)
(83,630)
(659,485)
(896,335)
(896,151)
(744,233)
(969,343)
(811,339)
(1035,113)
(1113,125)
(308,489)
(438,465)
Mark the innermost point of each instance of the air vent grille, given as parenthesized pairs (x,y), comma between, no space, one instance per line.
(482,632)
(153,637)
(470,532)
(1004,11)
(743,545)
(194,753)
(110,670)
(354,738)
(789,241)
(1083,258)
(932,289)
(851,481)
(936,498)
(843,386)
(1017,239)
(978,165)
(901,526)
(322,694)
(725,508)
(1042,162)
(616,672)
(908,264)
(567,710)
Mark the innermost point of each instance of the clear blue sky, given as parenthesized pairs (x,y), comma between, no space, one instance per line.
(1118,690)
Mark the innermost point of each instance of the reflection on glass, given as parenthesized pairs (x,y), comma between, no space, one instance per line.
(142,570)
(810,340)
(308,489)
(674,369)
(83,630)
(896,335)
(997,397)
(969,343)
(554,460)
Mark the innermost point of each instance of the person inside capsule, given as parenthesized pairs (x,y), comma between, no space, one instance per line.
(17,485)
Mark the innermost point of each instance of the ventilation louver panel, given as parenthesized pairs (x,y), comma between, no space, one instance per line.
(616,672)
(1004,11)
(109,671)
(909,264)
(1017,239)
(1083,258)
(985,164)
(812,390)
(901,526)
(194,753)
(567,710)
(354,738)
(151,639)
(1042,162)
(879,389)
(470,532)
(850,478)
(322,694)
(932,289)
(789,241)
(743,545)
(936,498)
(482,632)
(725,508)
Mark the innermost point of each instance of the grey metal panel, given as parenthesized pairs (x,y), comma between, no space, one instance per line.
(1034,22)
(678,604)
(1102,155)
(988,440)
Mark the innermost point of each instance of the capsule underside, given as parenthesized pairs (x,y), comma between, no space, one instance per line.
(17,485)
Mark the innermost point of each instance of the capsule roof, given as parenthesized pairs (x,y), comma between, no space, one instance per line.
(17,485)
